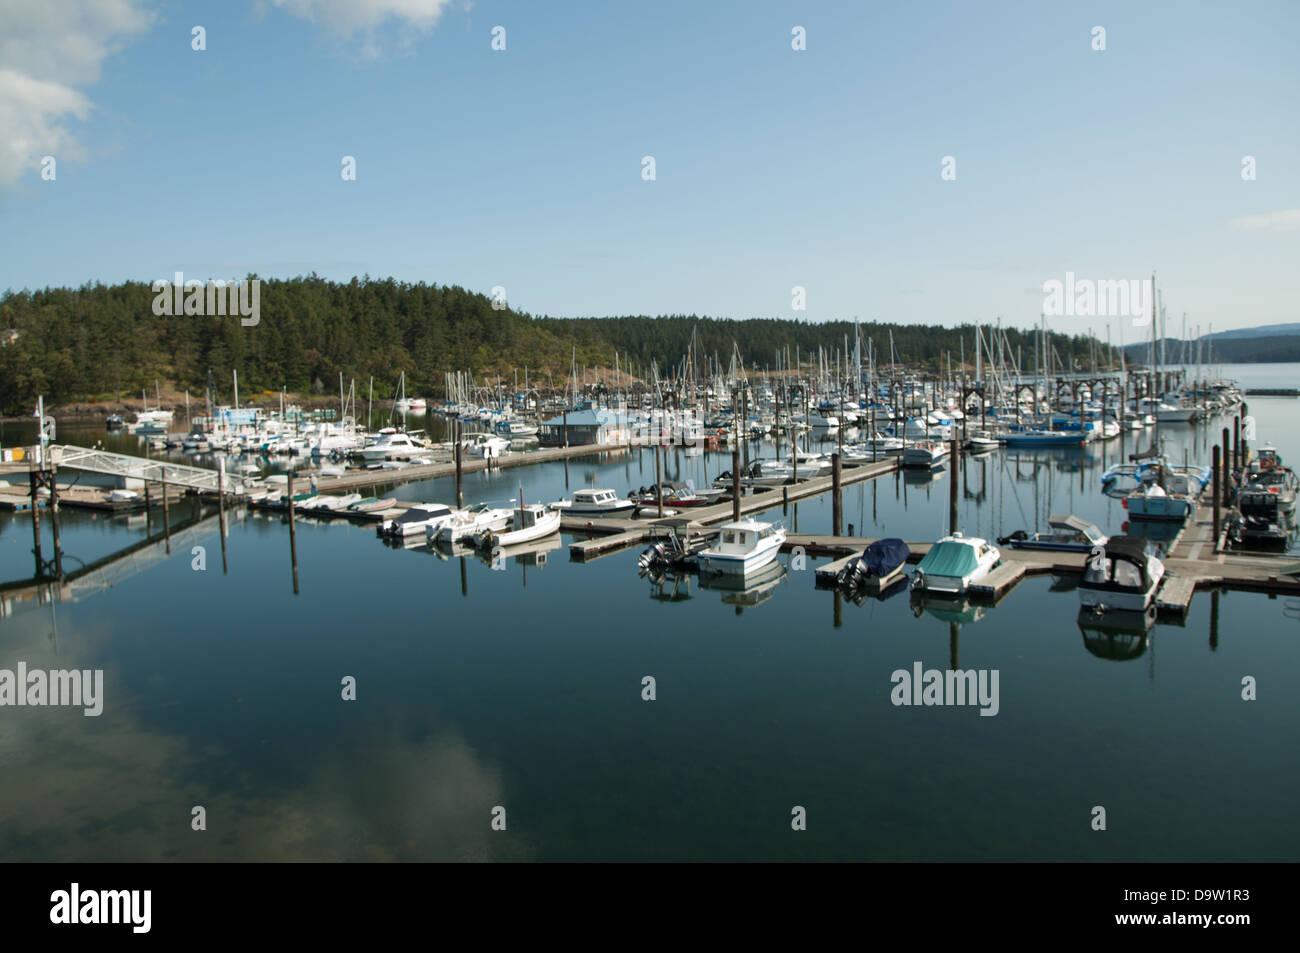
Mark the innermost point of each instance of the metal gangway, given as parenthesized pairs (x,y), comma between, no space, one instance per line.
(123,465)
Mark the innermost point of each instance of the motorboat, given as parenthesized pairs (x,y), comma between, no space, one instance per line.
(925,455)
(485,445)
(1067,534)
(1169,498)
(1121,575)
(1044,438)
(979,441)
(415,520)
(742,547)
(516,429)
(527,522)
(469,523)
(595,503)
(879,567)
(372,504)
(954,562)
(391,445)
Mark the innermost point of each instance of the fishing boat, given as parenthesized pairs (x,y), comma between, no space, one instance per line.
(954,562)
(469,523)
(527,522)
(1169,497)
(595,503)
(1267,494)
(879,567)
(676,494)
(415,520)
(742,547)
(1123,575)
(1068,534)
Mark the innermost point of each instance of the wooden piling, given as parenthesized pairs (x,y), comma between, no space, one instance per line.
(735,483)
(167,523)
(1227,470)
(460,467)
(1215,475)
(221,508)
(293,539)
(659,483)
(36,524)
(54,523)
(1236,442)
(952,487)
(837,502)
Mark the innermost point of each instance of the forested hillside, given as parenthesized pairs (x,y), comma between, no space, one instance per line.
(102,342)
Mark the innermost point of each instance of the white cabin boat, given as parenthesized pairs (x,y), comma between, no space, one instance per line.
(392,445)
(595,503)
(742,547)
(527,523)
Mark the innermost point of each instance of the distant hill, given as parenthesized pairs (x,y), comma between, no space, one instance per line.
(1234,347)
(1263,331)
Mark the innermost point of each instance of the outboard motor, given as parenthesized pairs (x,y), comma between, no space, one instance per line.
(1018,536)
(851,575)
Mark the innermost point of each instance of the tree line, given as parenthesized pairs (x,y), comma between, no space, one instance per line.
(104,342)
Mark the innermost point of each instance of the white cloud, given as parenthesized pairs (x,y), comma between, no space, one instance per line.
(350,18)
(48,49)
(1287,220)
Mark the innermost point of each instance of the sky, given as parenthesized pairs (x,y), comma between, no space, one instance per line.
(775,168)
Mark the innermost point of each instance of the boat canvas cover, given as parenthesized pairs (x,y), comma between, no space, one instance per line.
(950,558)
(1089,531)
(884,556)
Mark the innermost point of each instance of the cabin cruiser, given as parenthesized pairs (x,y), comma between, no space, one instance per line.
(742,547)
(809,463)
(1068,534)
(1268,494)
(392,445)
(516,429)
(1121,575)
(978,441)
(416,520)
(759,473)
(953,563)
(595,503)
(527,522)
(468,523)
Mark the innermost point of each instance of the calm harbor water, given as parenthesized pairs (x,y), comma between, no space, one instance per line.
(523,688)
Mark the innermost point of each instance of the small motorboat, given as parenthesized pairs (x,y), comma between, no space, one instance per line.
(416,520)
(595,503)
(742,547)
(527,522)
(954,562)
(1068,534)
(372,504)
(1121,575)
(879,567)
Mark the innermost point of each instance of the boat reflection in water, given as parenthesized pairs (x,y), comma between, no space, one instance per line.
(860,595)
(748,590)
(957,610)
(1118,635)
